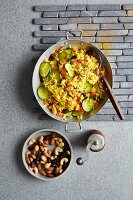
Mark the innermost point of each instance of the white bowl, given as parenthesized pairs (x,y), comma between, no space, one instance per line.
(35,135)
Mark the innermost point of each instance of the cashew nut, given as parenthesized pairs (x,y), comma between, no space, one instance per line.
(53,157)
(49,152)
(47,165)
(31,159)
(30,168)
(35,170)
(42,148)
(42,172)
(68,152)
(40,139)
(33,156)
(36,148)
(63,160)
(42,162)
(52,141)
(60,144)
(32,141)
(27,159)
(44,158)
(57,150)
(39,167)
(56,170)
(60,171)
(27,153)
(45,153)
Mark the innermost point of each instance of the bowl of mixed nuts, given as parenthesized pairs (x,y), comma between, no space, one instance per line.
(47,154)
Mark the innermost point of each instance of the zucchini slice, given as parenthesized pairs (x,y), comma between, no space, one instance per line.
(55,74)
(88,86)
(65,54)
(44,69)
(88,104)
(69,70)
(43,93)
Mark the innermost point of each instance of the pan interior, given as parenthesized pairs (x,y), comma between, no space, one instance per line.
(81,45)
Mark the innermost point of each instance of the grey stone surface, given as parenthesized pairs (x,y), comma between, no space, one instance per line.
(106,175)
(41,47)
(113,65)
(76,7)
(119,78)
(84,20)
(102,117)
(69,14)
(116,85)
(49,27)
(125,65)
(49,8)
(112,13)
(88,13)
(130,32)
(123,91)
(131,45)
(130,98)
(111,110)
(128,38)
(128,52)
(127,6)
(112,52)
(89,39)
(50,40)
(68,26)
(116,46)
(104,20)
(124,58)
(126,84)
(89,26)
(103,7)
(111,58)
(126,19)
(124,71)
(112,32)
(50,14)
(130,111)
(41,21)
(109,39)
(126,104)
(112,26)
(122,98)
(127,118)
(49,33)
(130,77)
(128,25)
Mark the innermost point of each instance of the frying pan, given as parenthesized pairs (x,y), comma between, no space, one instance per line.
(80,44)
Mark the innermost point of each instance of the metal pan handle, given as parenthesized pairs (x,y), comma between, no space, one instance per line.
(71,32)
(112,98)
(73,131)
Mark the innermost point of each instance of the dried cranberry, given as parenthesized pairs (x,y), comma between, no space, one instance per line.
(47,137)
(39,143)
(89,52)
(41,79)
(31,147)
(48,160)
(54,165)
(51,57)
(38,158)
(33,164)
(39,153)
